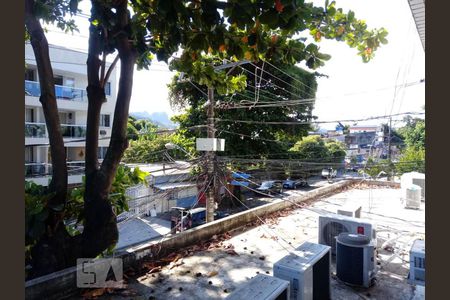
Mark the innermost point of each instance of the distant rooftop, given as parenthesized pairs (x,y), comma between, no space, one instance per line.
(167,168)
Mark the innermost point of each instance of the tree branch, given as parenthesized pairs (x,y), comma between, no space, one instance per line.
(119,141)
(39,43)
(96,96)
(110,69)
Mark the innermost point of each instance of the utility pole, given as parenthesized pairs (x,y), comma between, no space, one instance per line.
(211,159)
(389,146)
(389,139)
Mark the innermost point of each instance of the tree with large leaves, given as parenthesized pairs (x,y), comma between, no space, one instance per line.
(135,31)
(252,139)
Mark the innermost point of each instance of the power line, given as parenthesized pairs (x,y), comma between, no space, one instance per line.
(317,122)
(269,82)
(278,78)
(130,135)
(262,221)
(244,104)
(289,75)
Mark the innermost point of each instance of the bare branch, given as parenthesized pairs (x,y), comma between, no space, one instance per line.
(110,69)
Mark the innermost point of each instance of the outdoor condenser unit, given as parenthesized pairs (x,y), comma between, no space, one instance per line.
(417,263)
(355,259)
(262,287)
(414,178)
(412,194)
(331,225)
(307,270)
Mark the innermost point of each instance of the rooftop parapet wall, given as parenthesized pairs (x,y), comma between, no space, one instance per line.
(62,284)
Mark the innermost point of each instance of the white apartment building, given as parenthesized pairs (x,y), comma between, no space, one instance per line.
(69,68)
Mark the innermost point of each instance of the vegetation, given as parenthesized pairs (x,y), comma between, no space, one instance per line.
(316,149)
(206,31)
(414,133)
(253,139)
(413,156)
(139,129)
(150,150)
(36,210)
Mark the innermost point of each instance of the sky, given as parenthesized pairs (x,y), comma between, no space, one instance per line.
(371,84)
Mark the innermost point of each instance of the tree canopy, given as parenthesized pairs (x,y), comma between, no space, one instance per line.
(412,157)
(414,134)
(316,149)
(253,139)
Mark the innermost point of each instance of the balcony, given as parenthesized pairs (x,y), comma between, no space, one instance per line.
(43,169)
(37,169)
(33,89)
(39,130)
(35,130)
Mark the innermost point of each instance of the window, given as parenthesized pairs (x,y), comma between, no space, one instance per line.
(29,157)
(58,79)
(29,115)
(101,152)
(108,88)
(70,82)
(30,75)
(105,121)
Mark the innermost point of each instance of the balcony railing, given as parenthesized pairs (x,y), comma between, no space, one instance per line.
(43,169)
(37,169)
(39,130)
(73,131)
(32,88)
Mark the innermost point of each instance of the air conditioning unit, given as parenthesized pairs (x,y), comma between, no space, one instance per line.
(262,287)
(414,178)
(412,196)
(355,259)
(331,225)
(308,271)
(350,210)
(417,263)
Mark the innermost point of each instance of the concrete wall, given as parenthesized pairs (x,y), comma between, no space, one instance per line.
(383,183)
(62,284)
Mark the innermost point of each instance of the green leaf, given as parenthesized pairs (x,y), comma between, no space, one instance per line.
(269,17)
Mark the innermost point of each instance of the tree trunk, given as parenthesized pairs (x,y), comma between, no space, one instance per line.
(100,228)
(47,98)
(47,253)
(59,250)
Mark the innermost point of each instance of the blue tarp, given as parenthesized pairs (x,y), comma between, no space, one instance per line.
(239,183)
(240,175)
(186,202)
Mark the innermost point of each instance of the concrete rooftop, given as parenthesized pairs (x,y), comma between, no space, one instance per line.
(215,273)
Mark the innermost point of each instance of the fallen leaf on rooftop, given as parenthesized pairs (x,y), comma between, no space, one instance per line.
(229,246)
(231,252)
(154,270)
(92,294)
(176,264)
